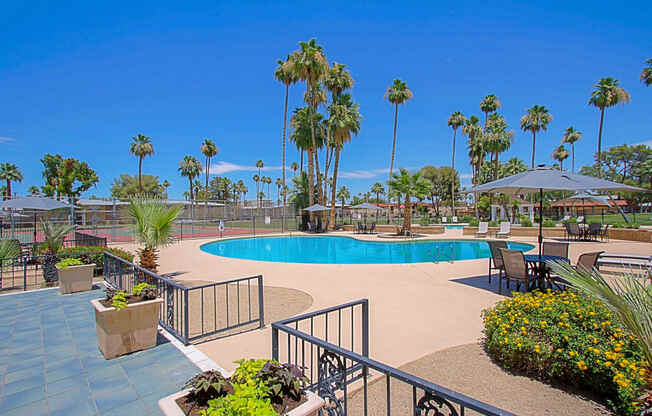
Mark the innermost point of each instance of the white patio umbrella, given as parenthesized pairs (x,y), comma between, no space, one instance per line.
(596,198)
(36,203)
(545,178)
(316,208)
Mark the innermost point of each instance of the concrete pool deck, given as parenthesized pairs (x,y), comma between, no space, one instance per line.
(415,309)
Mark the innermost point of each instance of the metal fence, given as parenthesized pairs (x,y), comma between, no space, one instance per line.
(195,313)
(333,346)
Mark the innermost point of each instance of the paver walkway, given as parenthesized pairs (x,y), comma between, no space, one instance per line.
(50,363)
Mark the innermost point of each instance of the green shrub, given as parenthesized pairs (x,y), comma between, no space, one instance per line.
(474,222)
(145,290)
(95,255)
(572,219)
(567,338)
(467,219)
(206,386)
(65,263)
(424,221)
(493,223)
(246,400)
(119,300)
(548,223)
(525,221)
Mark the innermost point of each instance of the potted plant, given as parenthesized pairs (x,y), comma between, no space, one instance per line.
(257,387)
(127,323)
(74,275)
(54,235)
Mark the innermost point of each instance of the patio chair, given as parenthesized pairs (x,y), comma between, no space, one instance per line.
(454,219)
(372,228)
(358,228)
(444,220)
(604,233)
(588,261)
(326,224)
(555,249)
(574,231)
(483,229)
(594,230)
(497,259)
(516,269)
(505,230)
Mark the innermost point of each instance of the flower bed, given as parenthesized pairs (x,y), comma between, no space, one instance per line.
(570,339)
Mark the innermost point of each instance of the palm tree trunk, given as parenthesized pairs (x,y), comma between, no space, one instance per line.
(311,178)
(534,141)
(407,218)
(8,189)
(391,164)
(140,174)
(573,155)
(453,166)
(600,142)
(191,194)
(285,119)
(314,146)
(301,166)
(208,170)
(336,166)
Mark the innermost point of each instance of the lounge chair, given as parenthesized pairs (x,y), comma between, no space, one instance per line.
(505,230)
(517,270)
(444,220)
(632,261)
(483,229)
(555,249)
(497,260)
(455,219)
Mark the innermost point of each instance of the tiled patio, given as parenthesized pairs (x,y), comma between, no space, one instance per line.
(50,363)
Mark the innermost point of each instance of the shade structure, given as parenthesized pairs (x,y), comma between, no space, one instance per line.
(316,208)
(597,198)
(368,206)
(33,202)
(545,178)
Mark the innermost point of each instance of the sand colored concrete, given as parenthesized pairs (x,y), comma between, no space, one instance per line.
(467,369)
(415,309)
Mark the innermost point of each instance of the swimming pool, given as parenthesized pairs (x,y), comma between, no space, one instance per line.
(454,226)
(347,250)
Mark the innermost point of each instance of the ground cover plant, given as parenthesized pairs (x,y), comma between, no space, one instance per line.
(119,299)
(256,388)
(65,263)
(571,339)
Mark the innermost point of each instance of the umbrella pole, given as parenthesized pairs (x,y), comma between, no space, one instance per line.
(35,227)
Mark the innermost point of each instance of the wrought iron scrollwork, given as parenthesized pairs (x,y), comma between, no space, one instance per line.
(332,378)
(431,405)
(170,305)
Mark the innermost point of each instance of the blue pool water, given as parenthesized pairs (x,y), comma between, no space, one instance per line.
(346,250)
(454,226)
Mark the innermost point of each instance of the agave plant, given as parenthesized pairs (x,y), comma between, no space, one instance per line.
(629,297)
(54,235)
(153,221)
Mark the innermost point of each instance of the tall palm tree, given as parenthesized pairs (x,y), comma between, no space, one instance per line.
(397,93)
(571,136)
(344,121)
(455,121)
(409,185)
(607,93)
(560,154)
(166,185)
(10,173)
(646,74)
(153,223)
(260,165)
(534,120)
(256,179)
(279,183)
(141,147)
(190,168)
(473,131)
(287,77)
(301,136)
(209,150)
(497,139)
(309,64)
(378,189)
(295,167)
(343,194)
(34,191)
(489,104)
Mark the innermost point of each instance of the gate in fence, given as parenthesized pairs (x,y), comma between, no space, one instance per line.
(332,345)
(199,312)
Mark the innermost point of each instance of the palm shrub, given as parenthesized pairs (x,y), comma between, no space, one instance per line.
(53,234)
(153,221)
(9,249)
(629,298)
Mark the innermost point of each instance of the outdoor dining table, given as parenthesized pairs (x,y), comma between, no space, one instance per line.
(542,271)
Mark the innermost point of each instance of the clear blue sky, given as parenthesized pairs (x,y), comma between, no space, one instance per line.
(80,79)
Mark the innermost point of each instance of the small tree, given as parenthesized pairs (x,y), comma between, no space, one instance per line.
(409,186)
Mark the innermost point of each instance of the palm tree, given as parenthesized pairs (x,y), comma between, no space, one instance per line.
(489,104)
(54,235)
(295,167)
(153,222)
(409,185)
(344,121)
(343,194)
(278,182)
(166,185)
(210,150)
(378,189)
(607,93)
(141,146)
(497,139)
(260,165)
(10,173)
(560,154)
(287,77)
(473,131)
(256,179)
(514,166)
(646,74)
(455,121)
(309,64)
(397,93)
(34,191)
(190,168)
(302,137)
(571,136)
(536,119)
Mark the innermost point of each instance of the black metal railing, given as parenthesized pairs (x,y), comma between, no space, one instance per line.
(195,313)
(339,363)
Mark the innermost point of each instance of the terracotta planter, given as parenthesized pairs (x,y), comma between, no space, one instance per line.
(169,407)
(75,278)
(126,330)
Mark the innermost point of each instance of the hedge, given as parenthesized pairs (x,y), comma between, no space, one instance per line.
(92,254)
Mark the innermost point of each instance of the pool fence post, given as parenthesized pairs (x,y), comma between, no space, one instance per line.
(261,302)
(365,328)
(185,316)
